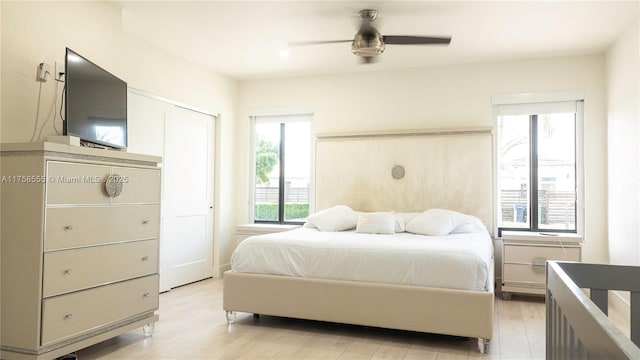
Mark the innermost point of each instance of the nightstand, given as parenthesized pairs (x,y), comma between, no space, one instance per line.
(246,230)
(524,256)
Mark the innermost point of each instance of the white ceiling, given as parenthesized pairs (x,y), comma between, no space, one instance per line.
(244,39)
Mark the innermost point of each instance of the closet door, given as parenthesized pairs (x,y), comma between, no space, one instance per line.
(185,140)
(145,125)
(188,196)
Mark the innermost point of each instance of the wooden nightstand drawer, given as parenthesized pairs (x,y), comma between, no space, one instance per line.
(521,273)
(522,254)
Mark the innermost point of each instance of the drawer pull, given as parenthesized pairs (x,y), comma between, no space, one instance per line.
(113,185)
(146,295)
(68,227)
(68,271)
(539,265)
(145,222)
(145,258)
(68,317)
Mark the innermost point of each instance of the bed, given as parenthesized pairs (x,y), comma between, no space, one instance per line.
(345,176)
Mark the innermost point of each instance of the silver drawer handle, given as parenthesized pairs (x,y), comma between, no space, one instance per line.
(68,316)
(145,222)
(539,265)
(146,295)
(68,227)
(145,258)
(68,271)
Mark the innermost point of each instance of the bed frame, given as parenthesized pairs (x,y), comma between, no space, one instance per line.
(414,308)
(444,168)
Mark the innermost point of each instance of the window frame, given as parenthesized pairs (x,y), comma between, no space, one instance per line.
(532,99)
(281,119)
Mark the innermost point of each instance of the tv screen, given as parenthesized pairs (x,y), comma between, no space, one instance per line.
(95,103)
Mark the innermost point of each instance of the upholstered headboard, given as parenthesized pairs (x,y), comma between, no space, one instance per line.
(445,168)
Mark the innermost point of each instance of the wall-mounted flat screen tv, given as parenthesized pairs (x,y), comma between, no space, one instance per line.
(95,103)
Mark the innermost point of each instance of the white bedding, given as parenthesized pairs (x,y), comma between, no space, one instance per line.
(454,261)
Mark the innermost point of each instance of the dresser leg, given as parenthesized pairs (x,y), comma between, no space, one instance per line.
(506,296)
(231,317)
(148,329)
(483,345)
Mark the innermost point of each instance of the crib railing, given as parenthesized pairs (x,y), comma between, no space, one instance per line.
(577,326)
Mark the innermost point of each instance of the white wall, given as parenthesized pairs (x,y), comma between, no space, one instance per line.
(33,32)
(447,96)
(623,114)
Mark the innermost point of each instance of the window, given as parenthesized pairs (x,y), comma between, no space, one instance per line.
(537,166)
(282,168)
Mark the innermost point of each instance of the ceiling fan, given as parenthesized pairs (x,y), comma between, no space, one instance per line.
(368,42)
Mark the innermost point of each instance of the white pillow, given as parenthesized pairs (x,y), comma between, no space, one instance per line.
(399,223)
(308,225)
(376,223)
(408,216)
(436,222)
(337,218)
(470,225)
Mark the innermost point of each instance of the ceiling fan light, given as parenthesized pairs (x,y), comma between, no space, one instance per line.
(367,45)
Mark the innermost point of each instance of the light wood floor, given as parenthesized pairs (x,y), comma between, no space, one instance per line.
(193,326)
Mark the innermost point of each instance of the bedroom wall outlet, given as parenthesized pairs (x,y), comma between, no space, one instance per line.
(43,69)
(59,71)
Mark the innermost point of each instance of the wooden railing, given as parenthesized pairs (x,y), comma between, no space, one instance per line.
(577,326)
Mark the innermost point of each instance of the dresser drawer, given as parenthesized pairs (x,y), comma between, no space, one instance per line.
(527,254)
(76,269)
(83,226)
(76,313)
(140,186)
(72,183)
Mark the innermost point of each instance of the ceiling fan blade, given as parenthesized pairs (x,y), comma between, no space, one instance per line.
(415,40)
(299,43)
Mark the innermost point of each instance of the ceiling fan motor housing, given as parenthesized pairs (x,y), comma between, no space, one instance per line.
(368,44)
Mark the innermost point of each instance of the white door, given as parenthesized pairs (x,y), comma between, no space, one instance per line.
(146,130)
(145,124)
(188,197)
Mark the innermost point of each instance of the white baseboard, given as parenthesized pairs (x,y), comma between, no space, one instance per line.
(221,269)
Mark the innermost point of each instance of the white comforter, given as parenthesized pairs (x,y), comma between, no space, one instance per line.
(455,261)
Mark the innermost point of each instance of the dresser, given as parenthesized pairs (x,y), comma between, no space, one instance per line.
(80,231)
(524,256)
